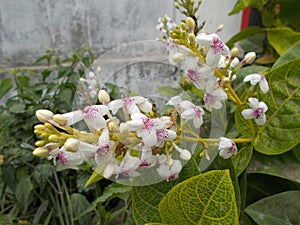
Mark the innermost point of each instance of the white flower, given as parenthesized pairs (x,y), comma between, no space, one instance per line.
(199,76)
(256,112)
(192,112)
(258,78)
(167,171)
(227,147)
(131,104)
(148,160)
(128,166)
(214,95)
(215,47)
(163,135)
(165,23)
(175,101)
(146,128)
(68,159)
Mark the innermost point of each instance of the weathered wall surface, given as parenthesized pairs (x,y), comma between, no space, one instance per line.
(28,27)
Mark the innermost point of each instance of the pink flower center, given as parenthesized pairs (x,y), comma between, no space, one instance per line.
(62,158)
(217,45)
(197,111)
(233,147)
(194,75)
(258,113)
(208,98)
(90,112)
(148,123)
(162,134)
(103,149)
(127,101)
(144,164)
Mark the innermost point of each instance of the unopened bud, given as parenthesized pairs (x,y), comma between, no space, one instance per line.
(40,152)
(54,138)
(40,143)
(185,154)
(190,23)
(192,38)
(71,145)
(225,80)
(234,52)
(44,115)
(170,162)
(178,57)
(183,27)
(108,171)
(124,128)
(39,127)
(249,57)
(220,28)
(176,5)
(60,120)
(103,97)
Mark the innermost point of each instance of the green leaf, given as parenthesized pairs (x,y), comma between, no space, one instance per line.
(95,177)
(78,205)
(42,208)
(245,33)
(145,199)
(242,4)
(168,91)
(23,190)
(5,86)
(283,208)
(204,199)
(242,159)
(282,38)
(111,191)
(282,129)
(292,53)
(285,165)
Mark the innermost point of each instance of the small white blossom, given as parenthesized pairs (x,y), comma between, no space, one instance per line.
(258,78)
(256,112)
(169,171)
(227,147)
(192,112)
(214,95)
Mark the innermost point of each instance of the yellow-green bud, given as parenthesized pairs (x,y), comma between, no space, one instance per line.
(40,152)
(182,25)
(53,138)
(71,145)
(220,28)
(40,143)
(192,38)
(176,5)
(234,52)
(60,120)
(225,80)
(44,115)
(103,97)
(190,23)
(39,127)
(170,162)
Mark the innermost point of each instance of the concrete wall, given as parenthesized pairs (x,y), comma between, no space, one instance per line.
(28,27)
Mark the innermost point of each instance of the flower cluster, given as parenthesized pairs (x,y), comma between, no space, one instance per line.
(145,140)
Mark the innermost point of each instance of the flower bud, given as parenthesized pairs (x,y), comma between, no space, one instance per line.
(124,128)
(249,57)
(178,57)
(190,23)
(44,115)
(103,97)
(60,120)
(53,138)
(225,80)
(234,52)
(192,38)
(220,28)
(185,154)
(40,152)
(170,162)
(40,143)
(71,145)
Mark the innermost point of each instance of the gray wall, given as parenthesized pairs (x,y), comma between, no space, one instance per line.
(28,27)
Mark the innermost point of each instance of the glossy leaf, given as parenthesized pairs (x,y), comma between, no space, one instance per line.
(283,208)
(292,53)
(5,86)
(204,199)
(281,131)
(242,159)
(145,199)
(285,165)
(247,32)
(282,38)
(242,4)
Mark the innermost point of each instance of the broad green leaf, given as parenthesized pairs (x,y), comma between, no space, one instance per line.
(286,165)
(168,91)
(283,208)
(23,190)
(204,199)
(145,199)
(292,53)
(78,204)
(111,191)
(247,32)
(5,86)
(281,131)
(282,38)
(242,4)
(242,159)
